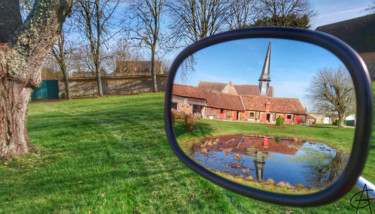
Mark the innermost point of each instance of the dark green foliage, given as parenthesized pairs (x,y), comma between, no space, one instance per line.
(349,122)
(346,122)
(279,121)
(291,20)
(277,139)
(189,122)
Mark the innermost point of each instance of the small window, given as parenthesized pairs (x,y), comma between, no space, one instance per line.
(252,114)
(221,110)
(289,117)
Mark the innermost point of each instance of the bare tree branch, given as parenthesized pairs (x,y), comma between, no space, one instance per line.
(293,13)
(59,53)
(242,13)
(197,19)
(145,27)
(76,2)
(371,7)
(93,20)
(332,91)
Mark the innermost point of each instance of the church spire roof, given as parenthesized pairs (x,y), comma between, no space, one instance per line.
(265,76)
(265,79)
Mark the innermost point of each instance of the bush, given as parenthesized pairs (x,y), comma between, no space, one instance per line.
(189,122)
(173,116)
(277,139)
(179,115)
(197,116)
(279,121)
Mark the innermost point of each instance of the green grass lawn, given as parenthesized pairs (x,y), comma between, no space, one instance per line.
(111,155)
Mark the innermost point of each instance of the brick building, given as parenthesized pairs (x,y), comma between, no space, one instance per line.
(226,106)
(225,101)
(229,88)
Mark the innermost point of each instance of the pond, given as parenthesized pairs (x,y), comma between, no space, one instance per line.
(288,160)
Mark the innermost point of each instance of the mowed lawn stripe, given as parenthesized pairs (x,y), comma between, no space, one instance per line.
(110,155)
(92,164)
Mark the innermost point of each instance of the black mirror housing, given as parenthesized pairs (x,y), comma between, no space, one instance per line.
(364,102)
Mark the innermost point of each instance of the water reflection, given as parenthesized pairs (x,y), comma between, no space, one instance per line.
(260,157)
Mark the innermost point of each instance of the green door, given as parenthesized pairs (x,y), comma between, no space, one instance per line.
(49,89)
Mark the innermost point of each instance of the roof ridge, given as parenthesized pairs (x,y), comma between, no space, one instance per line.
(243,104)
(270,97)
(360,17)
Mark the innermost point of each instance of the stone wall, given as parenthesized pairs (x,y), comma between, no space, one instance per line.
(112,85)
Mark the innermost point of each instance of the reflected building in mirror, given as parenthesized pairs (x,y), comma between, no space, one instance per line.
(242,147)
(226,101)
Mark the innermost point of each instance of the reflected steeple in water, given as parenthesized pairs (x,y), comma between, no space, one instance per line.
(290,160)
(259,165)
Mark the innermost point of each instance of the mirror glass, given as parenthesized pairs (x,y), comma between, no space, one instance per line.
(273,114)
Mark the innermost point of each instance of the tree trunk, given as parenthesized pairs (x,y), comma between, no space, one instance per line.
(341,120)
(97,50)
(65,77)
(66,82)
(14,99)
(99,81)
(23,48)
(153,72)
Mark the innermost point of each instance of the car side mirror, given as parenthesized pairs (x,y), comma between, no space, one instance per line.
(252,111)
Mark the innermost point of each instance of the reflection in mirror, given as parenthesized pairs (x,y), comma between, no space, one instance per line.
(273,114)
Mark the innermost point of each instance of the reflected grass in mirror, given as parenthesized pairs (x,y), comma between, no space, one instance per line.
(277,114)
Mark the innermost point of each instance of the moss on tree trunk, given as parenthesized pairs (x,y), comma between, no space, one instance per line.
(14,99)
(23,49)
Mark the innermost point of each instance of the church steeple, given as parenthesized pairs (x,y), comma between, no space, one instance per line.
(265,79)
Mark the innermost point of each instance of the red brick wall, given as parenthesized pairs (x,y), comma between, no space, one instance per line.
(211,112)
(184,107)
(227,114)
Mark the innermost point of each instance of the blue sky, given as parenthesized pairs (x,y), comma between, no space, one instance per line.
(293,65)
(329,11)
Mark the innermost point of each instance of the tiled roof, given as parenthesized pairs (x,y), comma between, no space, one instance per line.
(214,99)
(358,33)
(251,90)
(188,91)
(233,102)
(211,86)
(224,101)
(281,105)
(241,89)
